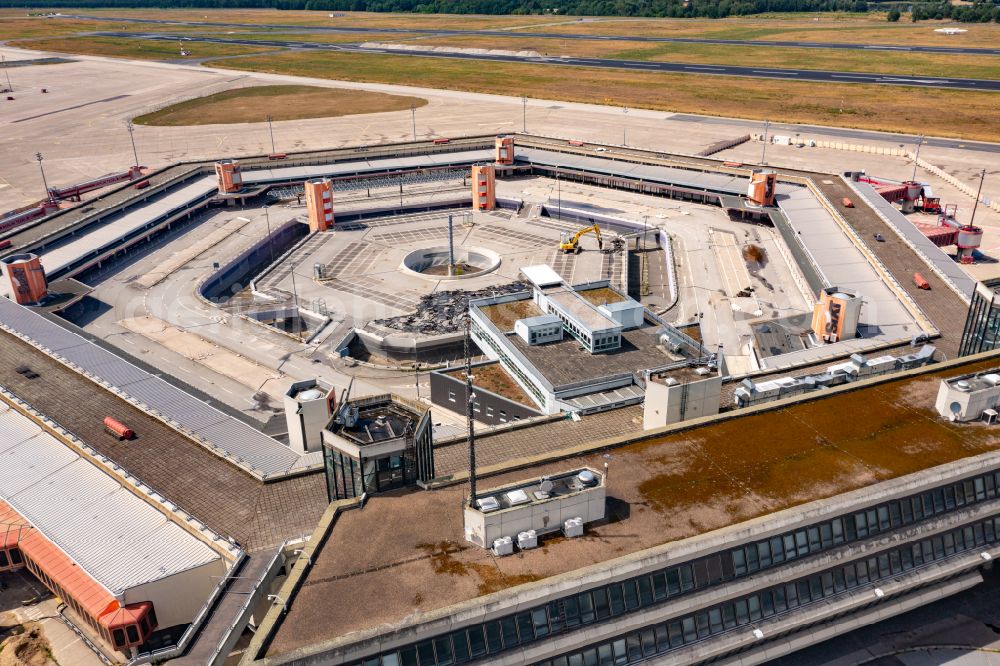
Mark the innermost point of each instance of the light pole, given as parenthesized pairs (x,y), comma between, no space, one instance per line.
(916,156)
(559,195)
(271,132)
(131,135)
(624,126)
(763,152)
(524,113)
(979,192)
(413,115)
(7,73)
(45,184)
(270,243)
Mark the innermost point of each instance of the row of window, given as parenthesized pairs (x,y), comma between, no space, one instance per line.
(500,414)
(120,637)
(608,341)
(617,598)
(862,524)
(665,636)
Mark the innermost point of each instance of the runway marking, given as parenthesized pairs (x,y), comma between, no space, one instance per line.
(767,71)
(716,69)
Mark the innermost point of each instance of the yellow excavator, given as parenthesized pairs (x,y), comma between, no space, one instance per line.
(571,244)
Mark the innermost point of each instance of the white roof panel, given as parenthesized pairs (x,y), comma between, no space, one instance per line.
(118,538)
(541,275)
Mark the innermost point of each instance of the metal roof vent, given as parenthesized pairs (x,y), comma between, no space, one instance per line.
(587,477)
(963,385)
(518,496)
(488,504)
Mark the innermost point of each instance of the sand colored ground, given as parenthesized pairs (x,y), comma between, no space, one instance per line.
(176,261)
(213,357)
(28,648)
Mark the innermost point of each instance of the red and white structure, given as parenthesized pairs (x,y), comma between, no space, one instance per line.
(949,231)
(910,195)
(73,192)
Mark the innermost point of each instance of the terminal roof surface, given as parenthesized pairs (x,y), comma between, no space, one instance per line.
(245,445)
(674,486)
(71,501)
(227,499)
(692,178)
(564,363)
(934,254)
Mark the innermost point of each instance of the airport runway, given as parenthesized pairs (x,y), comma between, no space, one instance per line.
(610,63)
(952,50)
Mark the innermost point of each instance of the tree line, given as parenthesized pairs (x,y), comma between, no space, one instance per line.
(981,11)
(643,8)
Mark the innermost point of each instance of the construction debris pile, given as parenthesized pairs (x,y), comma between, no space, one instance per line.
(444,311)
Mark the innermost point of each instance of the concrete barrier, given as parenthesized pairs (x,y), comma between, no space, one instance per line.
(964,188)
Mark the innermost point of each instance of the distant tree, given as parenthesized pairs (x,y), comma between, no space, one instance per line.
(893,16)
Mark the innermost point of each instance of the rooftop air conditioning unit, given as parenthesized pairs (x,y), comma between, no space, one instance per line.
(573,527)
(527,540)
(505,546)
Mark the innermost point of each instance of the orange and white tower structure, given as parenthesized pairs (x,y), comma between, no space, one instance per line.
(505,150)
(229,176)
(484,187)
(319,203)
(761,188)
(25,278)
(836,314)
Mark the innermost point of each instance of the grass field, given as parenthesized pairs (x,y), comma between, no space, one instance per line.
(921,64)
(829,28)
(138,49)
(869,28)
(307,19)
(969,115)
(253,105)
(20,27)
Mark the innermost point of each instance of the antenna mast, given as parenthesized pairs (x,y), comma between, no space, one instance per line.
(468,414)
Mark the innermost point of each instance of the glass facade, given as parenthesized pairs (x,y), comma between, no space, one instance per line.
(982,324)
(615,599)
(644,643)
(348,477)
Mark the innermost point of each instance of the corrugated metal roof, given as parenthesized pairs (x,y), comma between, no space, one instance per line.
(63,255)
(944,264)
(119,539)
(691,178)
(251,449)
(281,174)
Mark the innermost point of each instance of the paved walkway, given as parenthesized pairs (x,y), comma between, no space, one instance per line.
(536,440)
